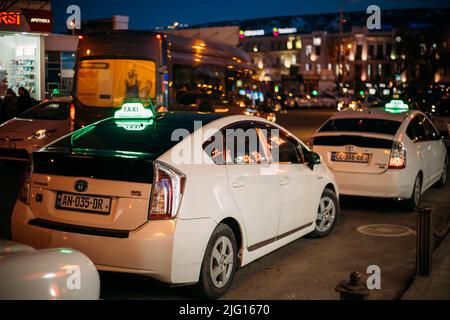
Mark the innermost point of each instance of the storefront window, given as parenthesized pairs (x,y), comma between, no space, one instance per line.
(19,63)
(59,72)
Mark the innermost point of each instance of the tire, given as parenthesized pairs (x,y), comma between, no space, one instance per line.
(325,224)
(412,203)
(210,286)
(443,180)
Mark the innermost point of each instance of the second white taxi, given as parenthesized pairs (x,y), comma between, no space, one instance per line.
(390,152)
(35,128)
(135,197)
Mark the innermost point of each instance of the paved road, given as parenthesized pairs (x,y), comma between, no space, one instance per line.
(307,268)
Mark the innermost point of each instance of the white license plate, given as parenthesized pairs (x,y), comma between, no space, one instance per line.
(84,203)
(350,157)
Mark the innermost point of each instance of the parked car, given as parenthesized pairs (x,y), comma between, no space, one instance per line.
(371,102)
(386,153)
(327,100)
(441,119)
(128,193)
(303,101)
(35,128)
(346,102)
(52,274)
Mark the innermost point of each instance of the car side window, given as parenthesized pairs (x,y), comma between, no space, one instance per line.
(430,132)
(214,148)
(244,144)
(415,130)
(283,148)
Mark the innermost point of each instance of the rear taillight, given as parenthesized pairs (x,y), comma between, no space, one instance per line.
(72,112)
(24,194)
(72,117)
(167,191)
(397,159)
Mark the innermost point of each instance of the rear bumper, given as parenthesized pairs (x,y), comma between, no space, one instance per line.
(390,184)
(157,249)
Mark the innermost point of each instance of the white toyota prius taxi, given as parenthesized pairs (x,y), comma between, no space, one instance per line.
(185,198)
(389,152)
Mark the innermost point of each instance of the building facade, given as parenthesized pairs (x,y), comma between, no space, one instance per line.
(336,51)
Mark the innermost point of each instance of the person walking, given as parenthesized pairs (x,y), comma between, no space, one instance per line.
(24,102)
(9,107)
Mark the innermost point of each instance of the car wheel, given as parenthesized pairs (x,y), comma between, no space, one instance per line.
(327,214)
(443,180)
(219,264)
(412,203)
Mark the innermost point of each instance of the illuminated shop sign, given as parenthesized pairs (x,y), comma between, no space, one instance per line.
(10,18)
(287,30)
(251,33)
(40,20)
(26,20)
(277,31)
(260,32)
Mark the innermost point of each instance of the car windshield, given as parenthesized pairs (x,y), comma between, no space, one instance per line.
(380,126)
(443,109)
(48,111)
(151,136)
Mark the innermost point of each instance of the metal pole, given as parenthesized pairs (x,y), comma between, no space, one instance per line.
(424,250)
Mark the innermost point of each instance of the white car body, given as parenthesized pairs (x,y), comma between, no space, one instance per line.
(260,202)
(52,274)
(20,136)
(376,178)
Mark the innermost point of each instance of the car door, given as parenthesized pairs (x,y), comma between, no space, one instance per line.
(296,179)
(253,185)
(437,150)
(424,147)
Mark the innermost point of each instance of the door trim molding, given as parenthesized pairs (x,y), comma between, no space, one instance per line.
(279,237)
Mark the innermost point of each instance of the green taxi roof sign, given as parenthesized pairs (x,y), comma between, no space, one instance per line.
(133,110)
(396,106)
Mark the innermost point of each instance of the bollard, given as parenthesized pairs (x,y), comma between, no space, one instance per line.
(424,250)
(353,289)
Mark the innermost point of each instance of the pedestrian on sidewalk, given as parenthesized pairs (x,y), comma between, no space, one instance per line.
(9,107)
(24,102)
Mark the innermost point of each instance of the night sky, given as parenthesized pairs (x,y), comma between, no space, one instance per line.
(147,14)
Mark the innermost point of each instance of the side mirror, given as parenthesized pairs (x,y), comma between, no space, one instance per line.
(313,159)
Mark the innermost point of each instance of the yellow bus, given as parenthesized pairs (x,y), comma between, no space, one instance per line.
(169,72)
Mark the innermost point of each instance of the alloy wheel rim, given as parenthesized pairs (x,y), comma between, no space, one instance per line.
(326,214)
(221,264)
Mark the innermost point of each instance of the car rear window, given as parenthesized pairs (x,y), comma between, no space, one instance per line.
(380,126)
(48,111)
(358,141)
(152,136)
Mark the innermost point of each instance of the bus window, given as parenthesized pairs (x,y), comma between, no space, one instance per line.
(242,87)
(191,85)
(111,82)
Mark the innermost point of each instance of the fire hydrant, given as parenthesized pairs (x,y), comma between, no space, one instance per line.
(353,289)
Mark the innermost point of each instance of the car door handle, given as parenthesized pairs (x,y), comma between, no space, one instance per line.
(284,181)
(238,183)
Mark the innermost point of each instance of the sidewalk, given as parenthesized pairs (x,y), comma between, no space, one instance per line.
(436,287)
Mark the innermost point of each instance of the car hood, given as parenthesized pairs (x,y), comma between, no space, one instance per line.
(22,128)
